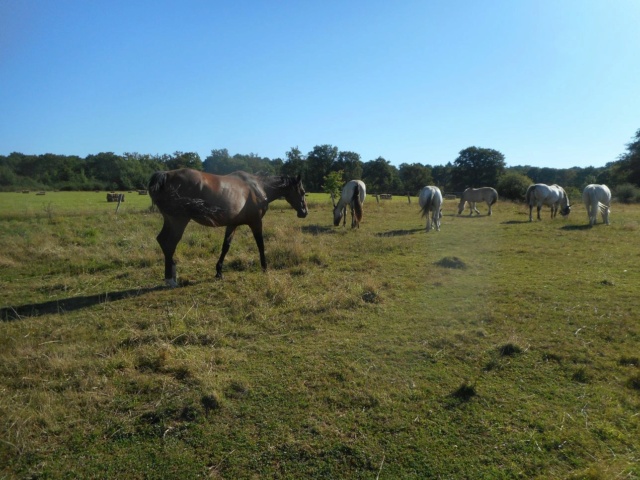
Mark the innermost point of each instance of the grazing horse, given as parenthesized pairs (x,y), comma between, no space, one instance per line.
(217,200)
(597,197)
(553,196)
(353,194)
(430,201)
(473,195)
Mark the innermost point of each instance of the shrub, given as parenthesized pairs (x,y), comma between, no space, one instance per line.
(627,193)
(513,186)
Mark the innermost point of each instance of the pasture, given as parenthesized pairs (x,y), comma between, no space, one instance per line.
(495,348)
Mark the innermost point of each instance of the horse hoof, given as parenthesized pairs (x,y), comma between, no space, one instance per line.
(170,282)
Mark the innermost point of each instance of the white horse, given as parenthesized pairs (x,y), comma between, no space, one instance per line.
(597,197)
(430,201)
(473,195)
(353,194)
(553,196)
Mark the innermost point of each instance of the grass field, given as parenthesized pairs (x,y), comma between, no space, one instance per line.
(495,348)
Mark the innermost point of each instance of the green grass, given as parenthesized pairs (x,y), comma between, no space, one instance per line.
(495,348)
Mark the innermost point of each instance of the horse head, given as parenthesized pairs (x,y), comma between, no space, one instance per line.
(295,196)
(337,215)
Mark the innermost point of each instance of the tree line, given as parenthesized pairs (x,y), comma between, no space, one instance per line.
(474,167)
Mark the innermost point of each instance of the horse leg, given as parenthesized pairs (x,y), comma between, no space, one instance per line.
(168,239)
(428,222)
(228,236)
(489,214)
(539,208)
(475,208)
(531,213)
(344,216)
(257,235)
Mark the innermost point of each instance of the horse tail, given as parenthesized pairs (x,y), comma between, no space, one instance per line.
(357,204)
(156,185)
(594,206)
(528,197)
(494,197)
(427,204)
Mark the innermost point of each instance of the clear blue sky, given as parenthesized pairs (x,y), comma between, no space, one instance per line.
(549,83)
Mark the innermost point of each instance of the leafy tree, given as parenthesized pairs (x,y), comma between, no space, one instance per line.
(415,176)
(350,164)
(543,175)
(276,165)
(108,168)
(218,162)
(319,163)
(442,176)
(381,177)
(333,183)
(7,176)
(628,166)
(477,167)
(184,160)
(294,164)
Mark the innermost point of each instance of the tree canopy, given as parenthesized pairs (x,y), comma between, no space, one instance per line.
(477,167)
(473,167)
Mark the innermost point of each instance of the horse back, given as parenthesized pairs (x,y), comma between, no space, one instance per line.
(430,198)
(206,198)
(349,189)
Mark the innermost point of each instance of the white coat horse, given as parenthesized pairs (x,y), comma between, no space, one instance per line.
(430,201)
(597,197)
(473,195)
(353,194)
(553,196)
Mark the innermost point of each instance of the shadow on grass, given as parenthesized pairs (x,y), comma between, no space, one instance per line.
(399,233)
(318,229)
(577,227)
(466,215)
(12,313)
(515,222)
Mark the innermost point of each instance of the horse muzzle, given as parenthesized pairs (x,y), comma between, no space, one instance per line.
(303,213)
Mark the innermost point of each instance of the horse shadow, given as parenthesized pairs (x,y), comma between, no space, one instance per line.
(515,222)
(398,233)
(318,229)
(12,313)
(576,227)
(466,215)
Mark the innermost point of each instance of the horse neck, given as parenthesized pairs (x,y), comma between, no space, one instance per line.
(274,187)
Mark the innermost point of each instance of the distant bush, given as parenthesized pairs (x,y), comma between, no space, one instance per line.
(574,194)
(513,186)
(627,193)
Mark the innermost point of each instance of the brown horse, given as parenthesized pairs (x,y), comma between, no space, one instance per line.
(217,200)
